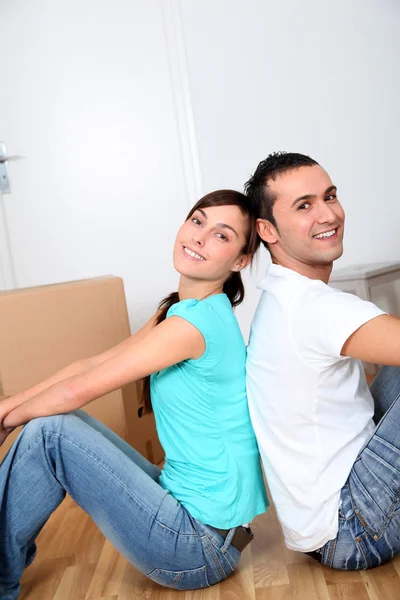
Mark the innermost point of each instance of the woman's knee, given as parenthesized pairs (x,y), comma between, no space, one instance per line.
(54,423)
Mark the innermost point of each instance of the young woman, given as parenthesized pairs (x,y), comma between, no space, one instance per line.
(184,526)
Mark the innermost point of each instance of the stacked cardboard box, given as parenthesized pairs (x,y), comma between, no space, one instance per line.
(45,328)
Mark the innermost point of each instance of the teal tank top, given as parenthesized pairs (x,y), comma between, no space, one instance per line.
(212,464)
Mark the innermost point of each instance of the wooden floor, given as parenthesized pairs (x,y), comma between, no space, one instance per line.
(75,562)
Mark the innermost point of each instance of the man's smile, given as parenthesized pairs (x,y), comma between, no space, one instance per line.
(325,234)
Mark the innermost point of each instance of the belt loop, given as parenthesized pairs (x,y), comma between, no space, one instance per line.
(228,539)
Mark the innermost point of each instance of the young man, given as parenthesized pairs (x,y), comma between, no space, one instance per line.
(334,477)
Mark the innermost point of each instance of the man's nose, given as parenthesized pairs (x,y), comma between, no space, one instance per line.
(326,214)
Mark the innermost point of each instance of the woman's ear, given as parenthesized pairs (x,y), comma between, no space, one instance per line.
(267,231)
(243,261)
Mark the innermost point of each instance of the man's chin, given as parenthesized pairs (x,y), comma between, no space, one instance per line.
(326,258)
(332,254)
(338,253)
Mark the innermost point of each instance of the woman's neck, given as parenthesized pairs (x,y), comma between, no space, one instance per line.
(198,289)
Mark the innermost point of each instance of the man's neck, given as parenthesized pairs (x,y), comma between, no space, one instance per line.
(320,272)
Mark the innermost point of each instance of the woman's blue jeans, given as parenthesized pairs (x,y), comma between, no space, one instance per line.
(118,488)
(369,516)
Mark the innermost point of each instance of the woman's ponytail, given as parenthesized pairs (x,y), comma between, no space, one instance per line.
(234,288)
(163,308)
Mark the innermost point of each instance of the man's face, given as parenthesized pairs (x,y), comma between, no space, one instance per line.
(309,217)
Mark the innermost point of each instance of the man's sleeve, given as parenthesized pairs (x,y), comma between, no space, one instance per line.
(322,319)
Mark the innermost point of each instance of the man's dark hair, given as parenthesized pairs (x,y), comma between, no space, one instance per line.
(261,199)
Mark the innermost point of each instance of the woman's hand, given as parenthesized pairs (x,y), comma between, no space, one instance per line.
(4,433)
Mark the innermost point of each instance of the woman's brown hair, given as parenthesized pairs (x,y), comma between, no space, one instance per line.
(233,286)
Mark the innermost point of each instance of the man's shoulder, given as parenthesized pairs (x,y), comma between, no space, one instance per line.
(288,285)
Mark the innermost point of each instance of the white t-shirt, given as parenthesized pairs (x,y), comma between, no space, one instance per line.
(311,408)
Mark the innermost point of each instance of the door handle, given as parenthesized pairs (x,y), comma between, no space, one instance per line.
(5,186)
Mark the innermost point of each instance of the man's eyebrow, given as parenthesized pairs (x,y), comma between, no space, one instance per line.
(221,225)
(331,188)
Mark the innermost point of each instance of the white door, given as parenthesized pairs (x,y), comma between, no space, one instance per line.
(93,96)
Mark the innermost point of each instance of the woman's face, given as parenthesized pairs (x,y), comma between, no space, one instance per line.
(209,245)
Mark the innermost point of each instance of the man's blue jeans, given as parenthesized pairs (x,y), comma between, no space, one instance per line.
(118,488)
(369,516)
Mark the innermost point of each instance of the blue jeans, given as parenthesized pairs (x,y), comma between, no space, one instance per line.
(369,516)
(118,488)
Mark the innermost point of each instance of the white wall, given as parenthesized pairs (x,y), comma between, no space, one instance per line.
(317,77)
(87,96)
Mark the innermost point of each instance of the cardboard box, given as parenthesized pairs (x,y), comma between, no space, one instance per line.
(43,329)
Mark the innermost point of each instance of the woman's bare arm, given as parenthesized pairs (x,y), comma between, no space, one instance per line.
(81,366)
(173,341)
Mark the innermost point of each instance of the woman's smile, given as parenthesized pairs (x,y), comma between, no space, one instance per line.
(191,254)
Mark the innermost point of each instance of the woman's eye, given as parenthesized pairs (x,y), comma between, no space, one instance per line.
(223,237)
(196,221)
(304,206)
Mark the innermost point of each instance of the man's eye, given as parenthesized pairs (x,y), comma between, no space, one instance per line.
(304,206)
(331,197)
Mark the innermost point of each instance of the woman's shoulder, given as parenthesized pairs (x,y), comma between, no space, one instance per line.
(217,305)
(212,315)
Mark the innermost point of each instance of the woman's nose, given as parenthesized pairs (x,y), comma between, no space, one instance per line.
(199,238)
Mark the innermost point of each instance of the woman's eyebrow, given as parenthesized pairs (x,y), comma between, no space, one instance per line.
(222,225)
(225,226)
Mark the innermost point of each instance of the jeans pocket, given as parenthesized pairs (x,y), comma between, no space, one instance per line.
(222,556)
(181,580)
(375,492)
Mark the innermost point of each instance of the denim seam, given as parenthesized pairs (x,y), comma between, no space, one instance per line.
(32,445)
(386,443)
(67,441)
(386,518)
(381,460)
(180,574)
(91,457)
(213,558)
(193,535)
(330,553)
(364,550)
(386,413)
(225,546)
(389,516)
(229,560)
(381,483)
(353,500)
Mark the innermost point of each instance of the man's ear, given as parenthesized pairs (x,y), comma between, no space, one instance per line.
(244,260)
(267,231)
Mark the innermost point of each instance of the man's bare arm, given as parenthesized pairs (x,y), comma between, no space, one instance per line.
(377,341)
